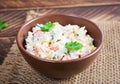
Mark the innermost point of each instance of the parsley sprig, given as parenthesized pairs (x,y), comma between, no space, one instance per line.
(73,46)
(47,27)
(2,25)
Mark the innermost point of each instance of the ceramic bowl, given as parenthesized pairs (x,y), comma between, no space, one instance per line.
(60,69)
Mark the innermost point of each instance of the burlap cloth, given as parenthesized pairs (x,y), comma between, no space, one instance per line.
(105,69)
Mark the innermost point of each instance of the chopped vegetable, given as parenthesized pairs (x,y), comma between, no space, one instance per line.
(47,27)
(73,46)
(55,57)
(2,25)
(54,48)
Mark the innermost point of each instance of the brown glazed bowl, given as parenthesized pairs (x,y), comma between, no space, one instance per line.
(57,69)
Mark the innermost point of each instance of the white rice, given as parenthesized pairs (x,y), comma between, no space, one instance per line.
(37,42)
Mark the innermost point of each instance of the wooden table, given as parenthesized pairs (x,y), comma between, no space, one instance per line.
(15,18)
(32,4)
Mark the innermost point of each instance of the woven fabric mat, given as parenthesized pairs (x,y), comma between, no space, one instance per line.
(105,69)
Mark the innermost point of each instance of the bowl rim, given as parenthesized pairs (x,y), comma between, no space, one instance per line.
(20,46)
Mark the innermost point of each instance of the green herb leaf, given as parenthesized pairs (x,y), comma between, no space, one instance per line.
(47,27)
(1,21)
(2,25)
(73,46)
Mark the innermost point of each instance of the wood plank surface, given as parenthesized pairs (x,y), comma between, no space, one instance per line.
(15,19)
(27,4)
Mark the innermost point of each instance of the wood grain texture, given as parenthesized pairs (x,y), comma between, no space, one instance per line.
(97,13)
(23,4)
(15,19)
